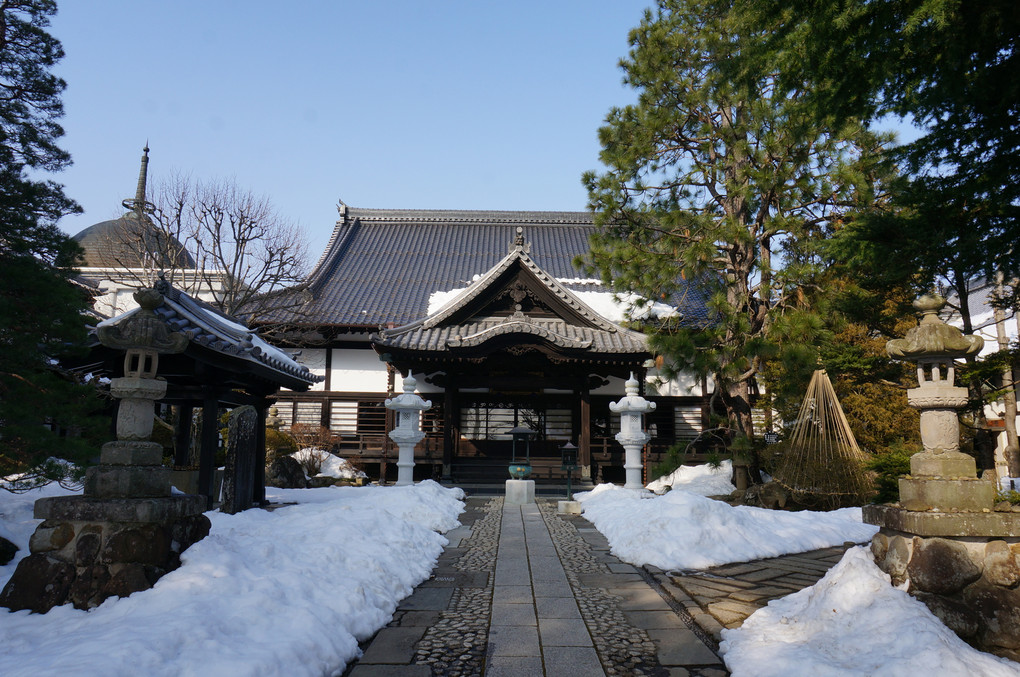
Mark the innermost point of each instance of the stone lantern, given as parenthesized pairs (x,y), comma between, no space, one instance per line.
(631,436)
(946,541)
(407,433)
(126,530)
(941,476)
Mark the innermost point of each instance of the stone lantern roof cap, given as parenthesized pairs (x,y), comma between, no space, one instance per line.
(933,338)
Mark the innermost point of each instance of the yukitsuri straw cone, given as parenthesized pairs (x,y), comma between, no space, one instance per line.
(822,464)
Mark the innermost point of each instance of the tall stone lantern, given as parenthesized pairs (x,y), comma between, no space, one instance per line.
(407,432)
(947,542)
(631,436)
(935,346)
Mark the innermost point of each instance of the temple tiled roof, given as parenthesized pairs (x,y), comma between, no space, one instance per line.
(381,265)
(207,328)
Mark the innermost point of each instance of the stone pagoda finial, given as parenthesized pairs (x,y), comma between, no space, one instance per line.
(139,205)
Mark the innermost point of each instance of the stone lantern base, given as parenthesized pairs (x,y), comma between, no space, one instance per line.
(90,549)
(965,566)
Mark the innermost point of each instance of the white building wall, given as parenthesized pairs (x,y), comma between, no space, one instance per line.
(315,360)
(357,371)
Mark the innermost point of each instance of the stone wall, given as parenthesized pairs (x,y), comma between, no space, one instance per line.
(84,562)
(972,584)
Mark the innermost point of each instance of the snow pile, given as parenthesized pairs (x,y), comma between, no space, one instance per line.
(703,480)
(438,299)
(618,307)
(332,465)
(614,306)
(681,530)
(287,592)
(853,622)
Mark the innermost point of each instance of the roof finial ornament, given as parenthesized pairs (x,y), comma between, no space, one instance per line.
(341,207)
(519,243)
(139,205)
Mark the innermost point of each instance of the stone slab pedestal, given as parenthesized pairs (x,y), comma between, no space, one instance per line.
(520,492)
(568,507)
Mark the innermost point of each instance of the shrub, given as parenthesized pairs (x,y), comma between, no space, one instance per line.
(889,466)
(278,443)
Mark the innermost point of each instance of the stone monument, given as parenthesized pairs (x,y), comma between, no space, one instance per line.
(631,436)
(407,433)
(126,530)
(957,552)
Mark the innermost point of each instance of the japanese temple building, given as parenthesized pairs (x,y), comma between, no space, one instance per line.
(487,311)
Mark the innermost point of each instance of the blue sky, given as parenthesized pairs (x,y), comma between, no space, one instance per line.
(431,104)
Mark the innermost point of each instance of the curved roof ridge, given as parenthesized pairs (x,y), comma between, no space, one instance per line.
(471,215)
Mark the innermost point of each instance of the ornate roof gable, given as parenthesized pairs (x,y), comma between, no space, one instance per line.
(515,297)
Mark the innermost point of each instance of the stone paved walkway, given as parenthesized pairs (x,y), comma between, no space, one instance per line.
(722,597)
(523,591)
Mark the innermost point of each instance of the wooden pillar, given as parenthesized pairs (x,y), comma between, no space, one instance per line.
(182,435)
(259,487)
(207,450)
(450,434)
(584,438)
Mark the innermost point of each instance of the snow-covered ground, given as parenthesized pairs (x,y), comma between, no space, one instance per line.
(683,530)
(290,592)
(703,480)
(286,592)
(853,622)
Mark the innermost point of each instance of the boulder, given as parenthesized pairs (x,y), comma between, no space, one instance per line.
(999,611)
(957,616)
(7,551)
(941,566)
(1001,566)
(286,473)
(38,584)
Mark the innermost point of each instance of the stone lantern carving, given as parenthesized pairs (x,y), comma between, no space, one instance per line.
(631,436)
(941,476)
(407,433)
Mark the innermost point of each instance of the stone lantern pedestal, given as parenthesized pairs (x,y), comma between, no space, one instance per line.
(631,436)
(126,530)
(407,433)
(946,539)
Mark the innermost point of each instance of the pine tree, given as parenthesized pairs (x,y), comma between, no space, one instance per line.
(717,178)
(41,309)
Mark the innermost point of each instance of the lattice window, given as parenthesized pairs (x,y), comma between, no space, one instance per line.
(343,418)
(687,419)
(309,413)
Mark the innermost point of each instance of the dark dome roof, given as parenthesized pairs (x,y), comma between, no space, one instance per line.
(130,242)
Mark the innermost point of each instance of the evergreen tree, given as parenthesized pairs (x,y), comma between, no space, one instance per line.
(947,66)
(40,308)
(717,178)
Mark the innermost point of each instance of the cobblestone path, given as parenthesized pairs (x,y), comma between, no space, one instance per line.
(524,591)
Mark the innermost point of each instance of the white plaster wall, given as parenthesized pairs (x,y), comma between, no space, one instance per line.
(315,360)
(357,371)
